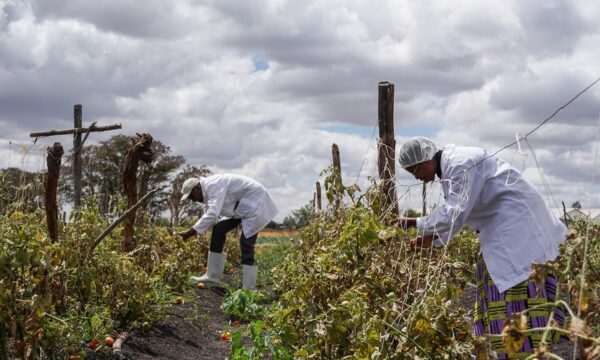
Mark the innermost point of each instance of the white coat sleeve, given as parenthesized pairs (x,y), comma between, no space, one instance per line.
(215,205)
(464,190)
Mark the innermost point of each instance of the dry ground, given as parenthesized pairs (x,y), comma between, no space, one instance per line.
(189,331)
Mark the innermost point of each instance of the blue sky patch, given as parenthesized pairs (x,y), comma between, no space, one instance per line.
(365,132)
(260,64)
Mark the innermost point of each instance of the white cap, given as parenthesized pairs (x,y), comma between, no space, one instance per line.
(187,187)
(415,151)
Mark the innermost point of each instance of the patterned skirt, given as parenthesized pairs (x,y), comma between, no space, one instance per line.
(492,308)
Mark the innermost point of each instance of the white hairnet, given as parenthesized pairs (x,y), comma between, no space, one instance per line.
(416,150)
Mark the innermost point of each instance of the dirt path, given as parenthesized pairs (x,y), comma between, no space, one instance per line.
(189,331)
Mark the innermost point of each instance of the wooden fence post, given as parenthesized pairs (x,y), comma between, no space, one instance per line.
(77,157)
(387,147)
(337,171)
(318,185)
(53,161)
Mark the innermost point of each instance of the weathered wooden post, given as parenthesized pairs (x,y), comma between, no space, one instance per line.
(387,147)
(77,156)
(318,185)
(337,173)
(53,161)
(140,151)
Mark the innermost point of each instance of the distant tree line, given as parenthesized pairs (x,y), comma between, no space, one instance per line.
(102,169)
(298,218)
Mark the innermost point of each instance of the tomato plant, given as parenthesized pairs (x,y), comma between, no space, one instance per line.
(57,297)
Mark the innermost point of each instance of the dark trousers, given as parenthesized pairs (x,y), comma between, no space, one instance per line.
(217,240)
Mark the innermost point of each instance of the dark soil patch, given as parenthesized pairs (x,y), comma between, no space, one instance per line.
(189,331)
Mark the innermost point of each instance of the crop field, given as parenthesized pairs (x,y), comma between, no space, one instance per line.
(345,286)
(342,283)
(291,180)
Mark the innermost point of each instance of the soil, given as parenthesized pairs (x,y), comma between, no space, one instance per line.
(189,331)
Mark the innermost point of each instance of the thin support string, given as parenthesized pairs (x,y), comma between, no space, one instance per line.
(534,129)
(366,152)
(425,281)
(463,198)
(519,151)
(542,123)
(549,194)
(428,280)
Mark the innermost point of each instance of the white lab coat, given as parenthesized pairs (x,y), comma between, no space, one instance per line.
(514,224)
(222,192)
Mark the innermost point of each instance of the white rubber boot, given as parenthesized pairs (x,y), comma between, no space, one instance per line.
(214,272)
(249,277)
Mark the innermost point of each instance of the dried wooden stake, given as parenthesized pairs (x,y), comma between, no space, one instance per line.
(53,160)
(318,185)
(140,151)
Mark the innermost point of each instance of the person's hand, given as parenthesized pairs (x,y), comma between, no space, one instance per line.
(186,234)
(422,242)
(404,222)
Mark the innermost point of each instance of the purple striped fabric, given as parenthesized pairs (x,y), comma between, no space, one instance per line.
(488,297)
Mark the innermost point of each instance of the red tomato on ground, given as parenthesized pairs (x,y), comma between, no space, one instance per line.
(109,341)
(226,336)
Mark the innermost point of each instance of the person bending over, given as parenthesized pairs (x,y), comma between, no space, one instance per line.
(241,200)
(514,225)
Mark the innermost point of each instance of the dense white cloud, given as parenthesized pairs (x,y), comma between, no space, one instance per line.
(265,87)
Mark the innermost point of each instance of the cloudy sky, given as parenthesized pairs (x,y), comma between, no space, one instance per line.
(263,88)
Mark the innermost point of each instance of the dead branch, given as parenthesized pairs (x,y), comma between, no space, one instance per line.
(121,218)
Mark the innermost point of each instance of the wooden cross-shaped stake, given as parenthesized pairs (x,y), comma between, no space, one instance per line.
(77,145)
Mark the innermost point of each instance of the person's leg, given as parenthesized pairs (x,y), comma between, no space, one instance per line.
(480,318)
(250,271)
(247,247)
(215,264)
(491,308)
(219,232)
(551,286)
